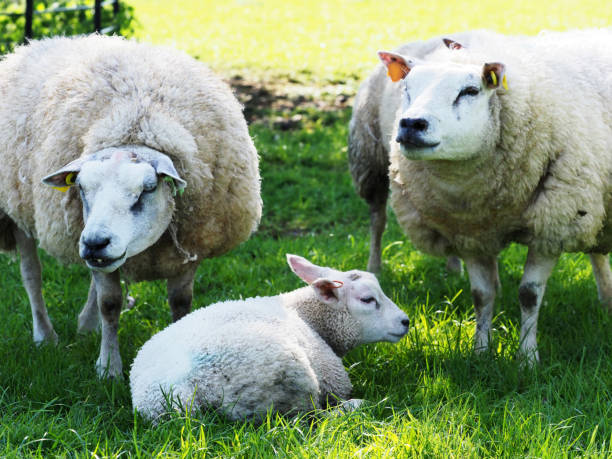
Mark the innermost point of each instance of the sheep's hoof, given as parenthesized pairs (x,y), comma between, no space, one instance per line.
(49,337)
(108,371)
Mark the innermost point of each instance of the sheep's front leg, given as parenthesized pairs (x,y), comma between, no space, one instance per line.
(180,293)
(110,298)
(89,318)
(603,278)
(31,275)
(533,284)
(484,283)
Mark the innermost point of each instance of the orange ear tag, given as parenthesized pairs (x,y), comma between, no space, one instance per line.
(397,71)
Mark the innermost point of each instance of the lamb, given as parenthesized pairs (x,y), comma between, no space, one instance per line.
(282,352)
(155,160)
(370,131)
(507,139)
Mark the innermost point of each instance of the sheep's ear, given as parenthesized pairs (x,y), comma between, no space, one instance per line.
(452,44)
(327,290)
(494,75)
(163,166)
(304,269)
(397,65)
(64,178)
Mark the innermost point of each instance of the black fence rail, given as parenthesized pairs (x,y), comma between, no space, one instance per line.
(96,8)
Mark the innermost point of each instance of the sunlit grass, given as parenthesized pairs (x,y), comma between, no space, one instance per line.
(429,395)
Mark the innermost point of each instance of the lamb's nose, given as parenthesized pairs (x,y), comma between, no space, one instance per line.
(416,124)
(405,322)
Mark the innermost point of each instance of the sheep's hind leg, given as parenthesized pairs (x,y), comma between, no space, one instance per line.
(31,275)
(109,299)
(533,285)
(180,292)
(378,221)
(484,280)
(89,318)
(603,278)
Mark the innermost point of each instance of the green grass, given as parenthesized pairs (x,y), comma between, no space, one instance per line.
(429,395)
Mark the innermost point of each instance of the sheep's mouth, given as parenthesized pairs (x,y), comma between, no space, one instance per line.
(104,263)
(397,336)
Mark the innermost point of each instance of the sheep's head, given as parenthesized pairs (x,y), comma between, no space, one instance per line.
(446,110)
(127,196)
(359,293)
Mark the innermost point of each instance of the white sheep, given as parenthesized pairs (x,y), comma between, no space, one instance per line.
(369,141)
(507,139)
(281,352)
(155,159)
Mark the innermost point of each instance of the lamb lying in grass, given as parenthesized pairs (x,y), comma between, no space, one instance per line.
(282,352)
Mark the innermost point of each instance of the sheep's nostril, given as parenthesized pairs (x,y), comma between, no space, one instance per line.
(405,322)
(96,243)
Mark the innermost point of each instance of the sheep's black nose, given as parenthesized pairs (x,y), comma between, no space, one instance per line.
(93,245)
(415,124)
(405,322)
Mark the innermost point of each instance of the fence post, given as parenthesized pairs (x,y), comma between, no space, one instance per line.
(98,15)
(29,15)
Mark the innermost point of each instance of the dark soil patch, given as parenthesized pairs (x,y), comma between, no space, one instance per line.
(285,104)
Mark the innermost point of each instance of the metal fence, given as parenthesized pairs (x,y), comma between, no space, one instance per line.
(96,8)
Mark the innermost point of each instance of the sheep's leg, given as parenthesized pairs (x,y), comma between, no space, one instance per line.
(31,275)
(378,221)
(533,284)
(603,278)
(89,318)
(109,299)
(180,293)
(484,282)
(453,265)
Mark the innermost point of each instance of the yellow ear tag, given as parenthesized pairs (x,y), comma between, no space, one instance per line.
(69,182)
(494,78)
(396,71)
(505,82)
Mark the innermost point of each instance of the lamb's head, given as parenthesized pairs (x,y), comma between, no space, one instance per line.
(358,293)
(127,196)
(447,111)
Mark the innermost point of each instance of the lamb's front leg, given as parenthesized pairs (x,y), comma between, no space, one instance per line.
(603,278)
(110,299)
(533,284)
(31,275)
(484,283)
(180,292)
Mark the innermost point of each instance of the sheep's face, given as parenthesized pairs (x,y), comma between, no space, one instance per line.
(127,202)
(446,110)
(358,292)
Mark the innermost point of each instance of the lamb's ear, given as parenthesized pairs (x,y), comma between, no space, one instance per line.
(164,167)
(452,44)
(494,75)
(397,65)
(64,178)
(304,269)
(327,290)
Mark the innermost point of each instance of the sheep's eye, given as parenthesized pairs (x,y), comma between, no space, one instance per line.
(149,187)
(469,91)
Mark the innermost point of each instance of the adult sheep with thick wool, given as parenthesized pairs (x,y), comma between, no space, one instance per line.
(370,136)
(507,139)
(155,160)
(282,352)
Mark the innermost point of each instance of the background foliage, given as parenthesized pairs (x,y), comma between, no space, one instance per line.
(61,23)
(429,395)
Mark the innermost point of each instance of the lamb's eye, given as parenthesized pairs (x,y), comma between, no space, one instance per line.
(370,300)
(469,91)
